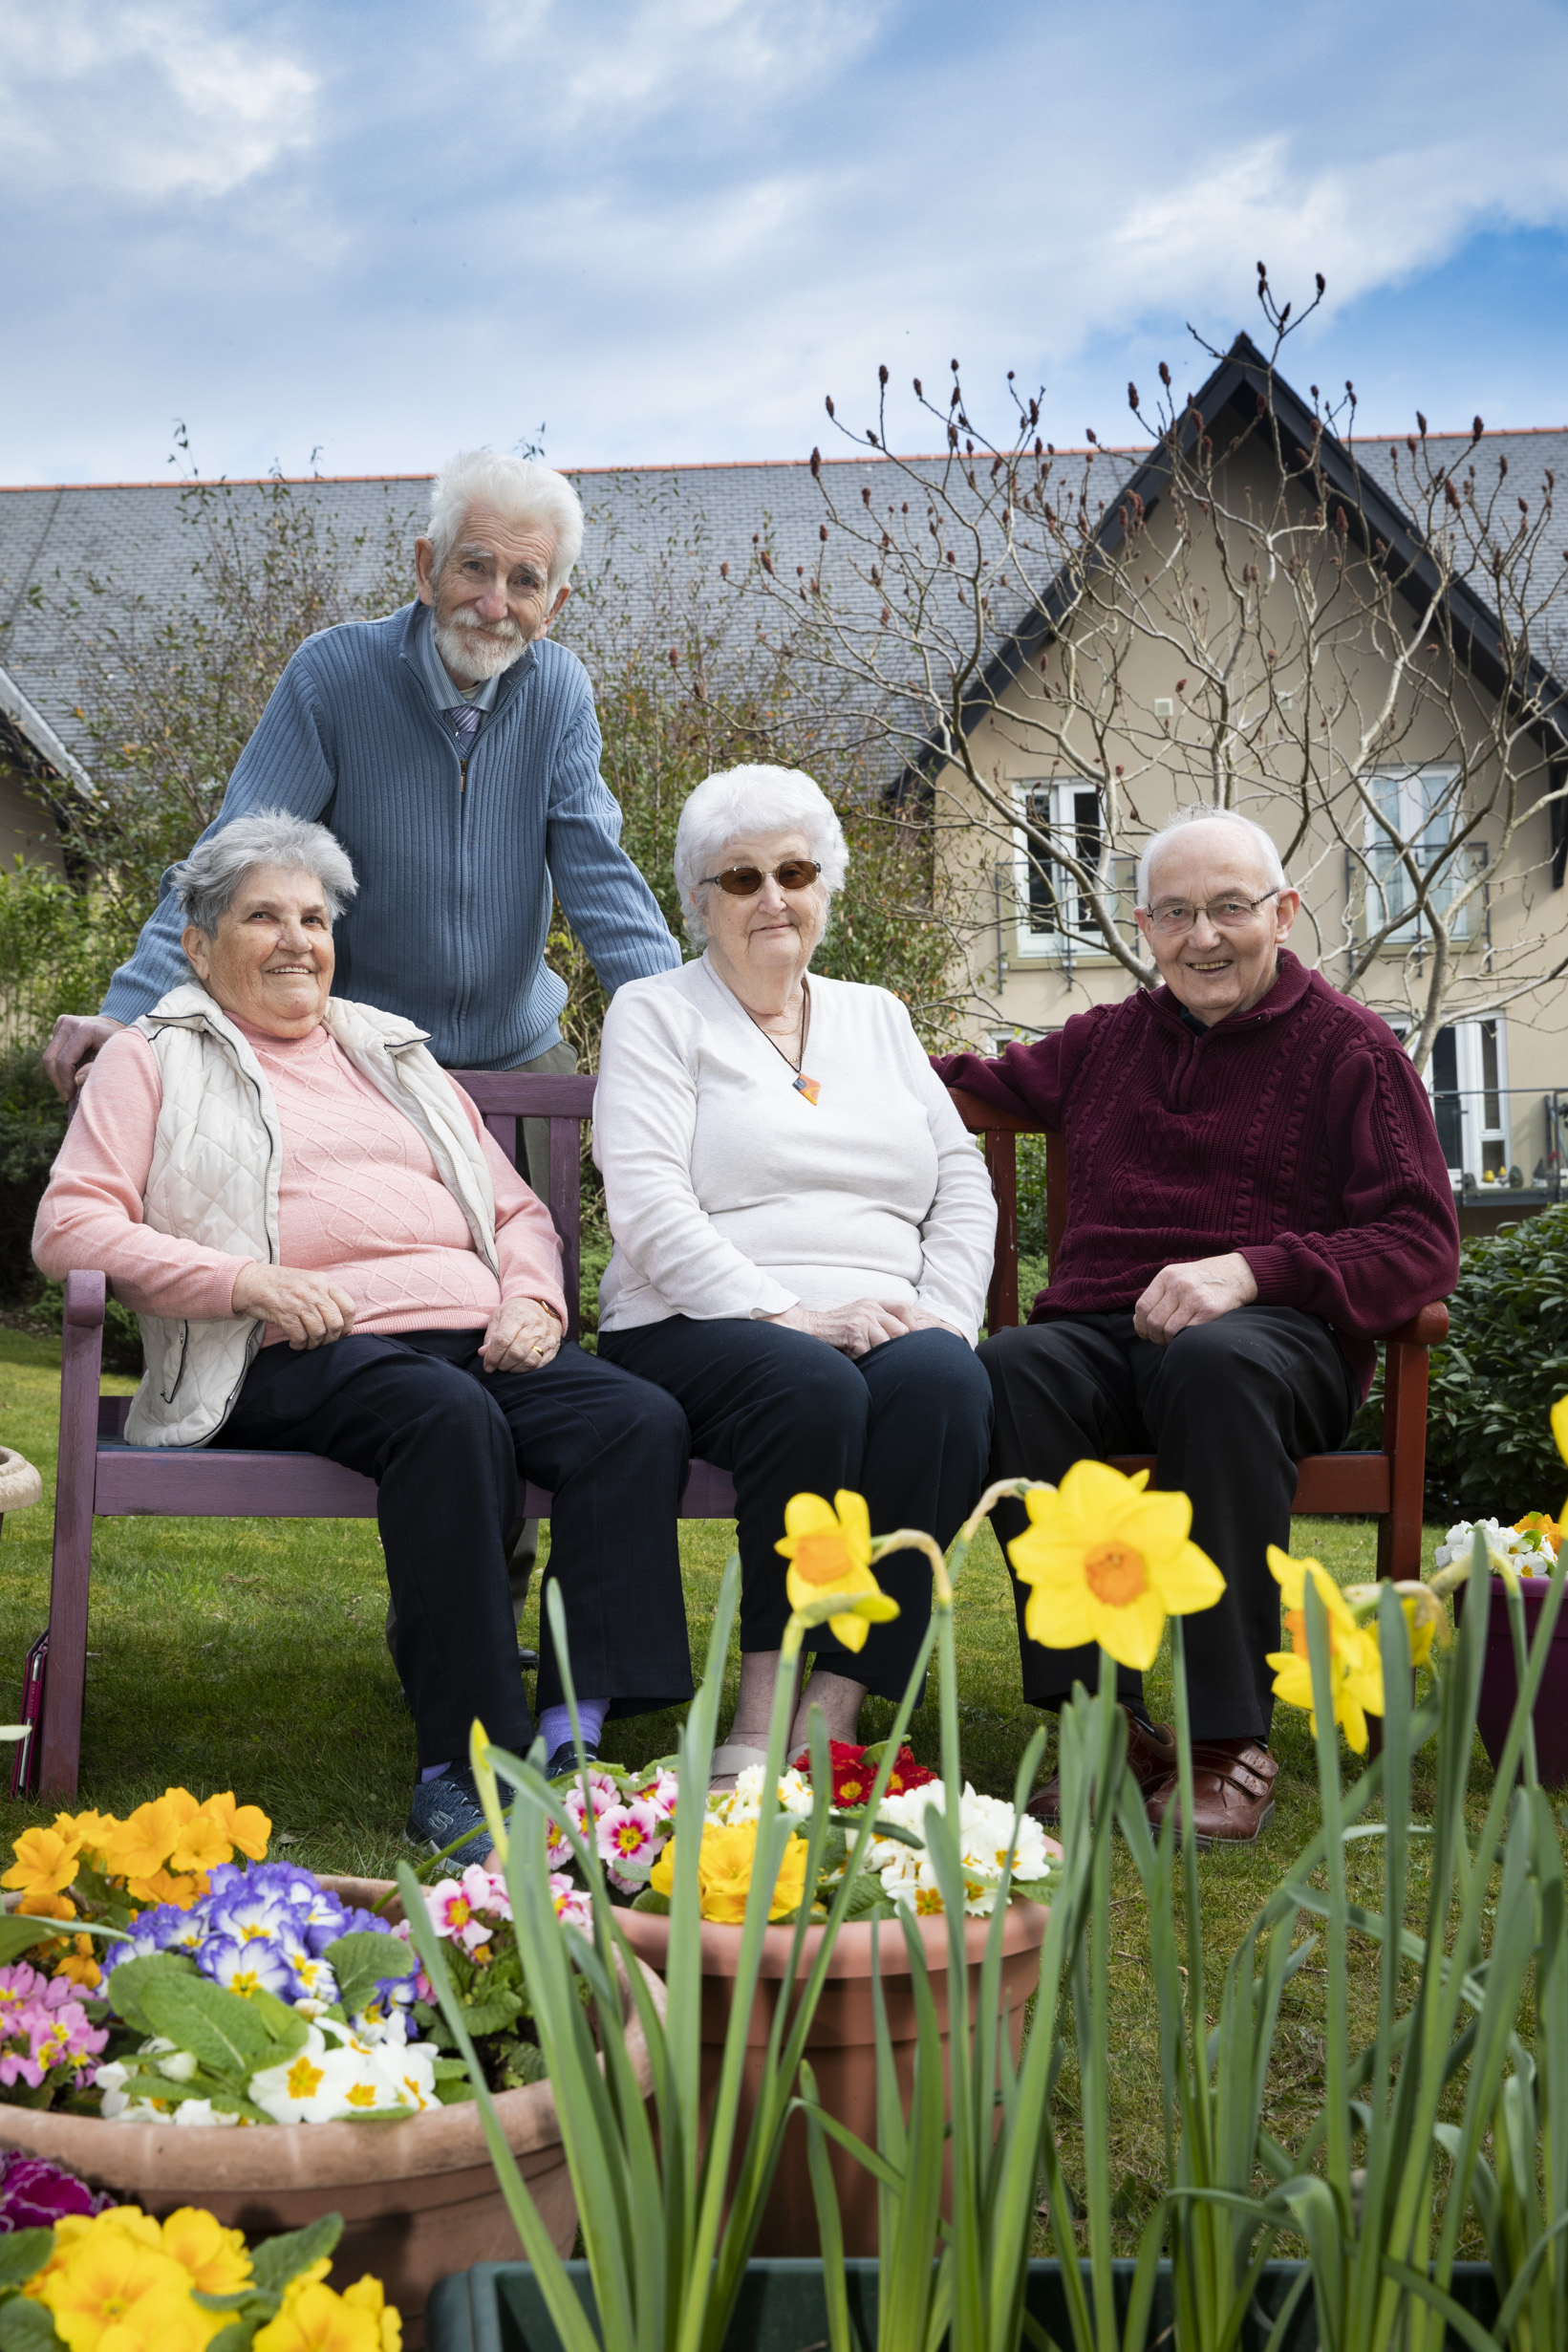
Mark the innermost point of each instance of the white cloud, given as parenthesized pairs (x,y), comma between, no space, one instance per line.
(151,101)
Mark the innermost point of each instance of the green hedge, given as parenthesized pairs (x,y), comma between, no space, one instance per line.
(1490,1452)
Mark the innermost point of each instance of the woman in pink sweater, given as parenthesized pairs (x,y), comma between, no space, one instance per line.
(330,1255)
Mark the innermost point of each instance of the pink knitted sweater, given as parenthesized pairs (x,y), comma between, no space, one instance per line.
(359,1199)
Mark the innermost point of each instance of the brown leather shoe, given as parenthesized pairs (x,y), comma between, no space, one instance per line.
(1150,1751)
(1233,1793)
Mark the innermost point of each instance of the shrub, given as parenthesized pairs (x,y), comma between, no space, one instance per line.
(32,1129)
(1488,1442)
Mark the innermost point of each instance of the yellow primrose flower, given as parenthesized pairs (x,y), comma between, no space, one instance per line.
(368,2294)
(246,1826)
(215,2257)
(1355,1664)
(79,1965)
(112,2291)
(316,2319)
(829,1554)
(46,1863)
(91,1830)
(143,1843)
(1108,1564)
(725,1865)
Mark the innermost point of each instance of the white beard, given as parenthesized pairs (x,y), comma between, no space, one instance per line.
(480,653)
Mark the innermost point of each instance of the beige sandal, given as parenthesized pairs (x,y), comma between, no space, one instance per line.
(735,1757)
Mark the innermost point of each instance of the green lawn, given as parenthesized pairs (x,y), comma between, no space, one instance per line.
(248,1655)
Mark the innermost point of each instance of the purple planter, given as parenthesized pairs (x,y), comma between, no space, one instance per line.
(1499,1684)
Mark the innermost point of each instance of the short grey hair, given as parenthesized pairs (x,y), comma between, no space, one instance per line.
(744,802)
(207,882)
(526,495)
(1203,815)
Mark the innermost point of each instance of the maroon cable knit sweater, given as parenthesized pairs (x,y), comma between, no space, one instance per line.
(1298,1134)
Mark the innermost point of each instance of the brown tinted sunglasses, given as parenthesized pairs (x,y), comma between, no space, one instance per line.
(746,881)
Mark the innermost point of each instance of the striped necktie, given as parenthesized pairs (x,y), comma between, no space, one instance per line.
(465,721)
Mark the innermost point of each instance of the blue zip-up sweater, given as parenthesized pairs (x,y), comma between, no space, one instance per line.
(455,861)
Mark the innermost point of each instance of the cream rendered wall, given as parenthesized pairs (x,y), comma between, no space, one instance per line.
(1524,935)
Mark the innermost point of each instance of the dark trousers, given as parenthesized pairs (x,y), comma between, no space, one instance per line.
(444,1442)
(908,1426)
(1228,1409)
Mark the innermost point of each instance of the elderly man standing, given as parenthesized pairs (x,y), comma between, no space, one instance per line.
(1256,1189)
(454,752)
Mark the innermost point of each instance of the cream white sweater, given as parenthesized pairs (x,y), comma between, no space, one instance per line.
(729,1194)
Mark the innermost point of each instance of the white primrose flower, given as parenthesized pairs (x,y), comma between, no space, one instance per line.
(339,2074)
(1506,1549)
(744,1803)
(198,2111)
(987,1826)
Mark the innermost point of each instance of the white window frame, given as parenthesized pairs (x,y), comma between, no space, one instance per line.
(1082,940)
(1483,1141)
(1419,800)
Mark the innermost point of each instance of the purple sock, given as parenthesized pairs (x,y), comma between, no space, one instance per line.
(555,1725)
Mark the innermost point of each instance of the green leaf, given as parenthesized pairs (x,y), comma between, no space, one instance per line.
(278,2260)
(22,2251)
(228,2035)
(123,1986)
(18,1935)
(650,1900)
(361,1959)
(27,2327)
(866,1900)
(494,2016)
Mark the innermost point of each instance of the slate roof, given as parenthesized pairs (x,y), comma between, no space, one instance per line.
(645,524)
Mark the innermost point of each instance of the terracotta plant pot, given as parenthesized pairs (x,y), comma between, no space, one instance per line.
(418,2199)
(1500,1684)
(842,2043)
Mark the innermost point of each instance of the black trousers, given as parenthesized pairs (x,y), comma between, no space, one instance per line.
(1228,1409)
(908,1426)
(445,1440)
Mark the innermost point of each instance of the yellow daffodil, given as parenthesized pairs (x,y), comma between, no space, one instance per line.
(1560,1425)
(1108,1564)
(44,1865)
(724,1866)
(214,2256)
(829,1554)
(1355,1664)
(1421,1628)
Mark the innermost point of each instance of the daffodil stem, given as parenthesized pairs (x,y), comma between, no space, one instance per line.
(915,1540)
(1336,2051)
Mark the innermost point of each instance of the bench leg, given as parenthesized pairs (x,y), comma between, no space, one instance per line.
(81,1358)
(1405,1442)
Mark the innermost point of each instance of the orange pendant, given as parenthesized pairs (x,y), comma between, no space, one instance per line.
(810,1087)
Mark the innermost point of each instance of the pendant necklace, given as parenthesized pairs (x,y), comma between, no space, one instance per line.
(810,1087)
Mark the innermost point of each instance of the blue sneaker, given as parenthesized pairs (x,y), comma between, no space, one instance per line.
(444,1810)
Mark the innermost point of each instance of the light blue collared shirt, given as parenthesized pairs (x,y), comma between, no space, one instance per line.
(440,684)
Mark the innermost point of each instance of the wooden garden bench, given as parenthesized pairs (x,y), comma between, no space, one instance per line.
(100,1477)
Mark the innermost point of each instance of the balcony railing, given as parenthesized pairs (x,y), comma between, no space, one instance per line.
(1504,1144)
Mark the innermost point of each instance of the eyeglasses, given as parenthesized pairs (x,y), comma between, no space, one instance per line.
(746,881)
(1175,921)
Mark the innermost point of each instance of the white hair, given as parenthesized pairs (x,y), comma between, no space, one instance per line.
(744,804)
(207,882)
(526,495)
(1203,815)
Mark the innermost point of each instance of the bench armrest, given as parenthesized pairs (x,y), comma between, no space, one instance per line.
(1427,1329)
(85,1294)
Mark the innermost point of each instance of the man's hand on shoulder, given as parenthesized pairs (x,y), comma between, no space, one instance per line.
(1200,1291)
(71,1050)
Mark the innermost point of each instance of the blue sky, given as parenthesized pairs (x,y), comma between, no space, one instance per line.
(665,228)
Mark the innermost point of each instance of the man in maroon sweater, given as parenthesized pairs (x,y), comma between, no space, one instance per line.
(1255,1191)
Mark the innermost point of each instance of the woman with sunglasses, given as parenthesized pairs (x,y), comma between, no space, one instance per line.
(802,1230)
